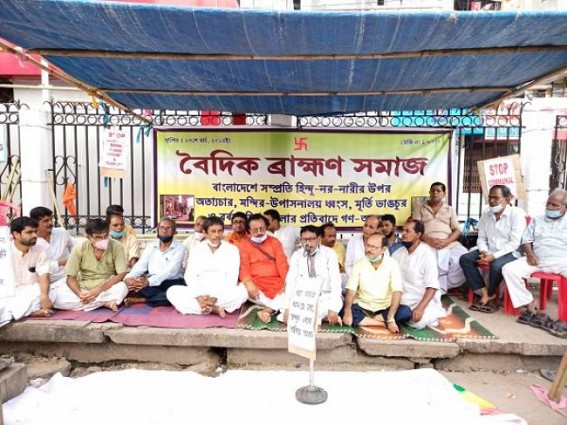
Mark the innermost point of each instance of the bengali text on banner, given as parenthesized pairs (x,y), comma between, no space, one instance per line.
(310,177)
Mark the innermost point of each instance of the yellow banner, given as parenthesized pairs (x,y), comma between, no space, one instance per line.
(310,177)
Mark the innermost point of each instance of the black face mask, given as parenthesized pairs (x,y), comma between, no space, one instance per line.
(165,239)
(408,244)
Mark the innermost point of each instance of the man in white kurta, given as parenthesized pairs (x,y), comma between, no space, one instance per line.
(545,244)
(211,276)
(287,235)
(355,247)
(420,281)
(319,261)
(56,241)
(31,275)
(194,239)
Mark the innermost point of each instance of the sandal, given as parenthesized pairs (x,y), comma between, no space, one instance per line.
(526,317)
(541,321)
(475,306)
(489,307)
(558,329)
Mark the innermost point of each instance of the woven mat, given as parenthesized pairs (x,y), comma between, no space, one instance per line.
(457,324)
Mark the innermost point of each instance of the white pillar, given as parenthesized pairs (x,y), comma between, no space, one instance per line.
(538,121)
(35,154)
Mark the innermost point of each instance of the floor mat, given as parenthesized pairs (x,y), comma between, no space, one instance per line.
(99,315)
(168,317)
(457,324)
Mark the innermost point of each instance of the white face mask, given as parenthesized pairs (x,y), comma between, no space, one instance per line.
(259,239)
(496,209)
(213,244)
(199,236)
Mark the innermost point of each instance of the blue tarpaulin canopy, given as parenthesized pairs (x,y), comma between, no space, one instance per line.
(289,62)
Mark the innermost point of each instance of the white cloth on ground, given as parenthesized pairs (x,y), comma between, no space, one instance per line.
(419,272)
(25,301)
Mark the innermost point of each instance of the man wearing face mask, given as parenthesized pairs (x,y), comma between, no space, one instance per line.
(159,268)
(374,289)
(128,242)
(211,276)
(419,277)
(95,272)
(195,239)
(316,260)
(545,244)
(263,268)
(500,232)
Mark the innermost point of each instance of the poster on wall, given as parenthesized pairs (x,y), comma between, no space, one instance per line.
(114,153)
(310,177)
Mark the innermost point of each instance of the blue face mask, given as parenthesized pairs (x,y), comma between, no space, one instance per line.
(553,214)
(117,235)
(377,259)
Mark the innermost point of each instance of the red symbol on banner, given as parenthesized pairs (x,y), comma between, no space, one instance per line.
(300,143)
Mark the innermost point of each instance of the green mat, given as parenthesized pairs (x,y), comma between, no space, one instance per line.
(457,324)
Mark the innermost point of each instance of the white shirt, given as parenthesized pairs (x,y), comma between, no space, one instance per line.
(549,239)
(30,266)
(289,237)
(326,267)
(159,266)
(503,236)
(356,251)
(207,269)
(419,272)
(189,244)
(59,248)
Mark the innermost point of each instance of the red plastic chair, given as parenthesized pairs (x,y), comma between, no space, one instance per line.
(546,291)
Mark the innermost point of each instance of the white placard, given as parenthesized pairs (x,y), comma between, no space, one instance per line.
(504,170)
(114,152)
(6,268)
(302,317)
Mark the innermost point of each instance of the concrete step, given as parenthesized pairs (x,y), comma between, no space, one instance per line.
(13,380)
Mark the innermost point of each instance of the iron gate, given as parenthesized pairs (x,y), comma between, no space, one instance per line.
(558,176)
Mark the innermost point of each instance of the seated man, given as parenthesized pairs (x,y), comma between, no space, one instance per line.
(195,239)
(355,247)
(119,210)
(128,242)
(211,276)
(287,235)
(545,244)
(263,268)
(31,275)
(419,277)
(328,235)
(95,271)
(500,231)
(56,241)
(316,260)
(158,269)
(389,230)
(374,289)
(239,224)
(442,233)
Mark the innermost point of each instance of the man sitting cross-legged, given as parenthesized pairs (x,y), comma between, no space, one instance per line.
(374,289)
(159,268)
(31,275)
(211,276)
(316,260)
(263,268)
(420,281)
(95,270)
